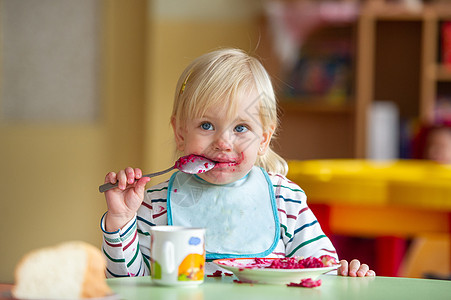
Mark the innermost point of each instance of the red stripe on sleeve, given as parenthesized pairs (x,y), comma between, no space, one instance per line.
(113,245)
(131,242)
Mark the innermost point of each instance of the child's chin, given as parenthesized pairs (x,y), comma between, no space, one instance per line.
(218,177)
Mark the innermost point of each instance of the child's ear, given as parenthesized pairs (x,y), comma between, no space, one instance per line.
(266,139)
(179,134)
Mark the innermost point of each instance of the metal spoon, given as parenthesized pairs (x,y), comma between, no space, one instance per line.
(190,164)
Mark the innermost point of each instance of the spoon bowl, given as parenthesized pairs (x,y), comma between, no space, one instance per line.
(190,164)
(194,164)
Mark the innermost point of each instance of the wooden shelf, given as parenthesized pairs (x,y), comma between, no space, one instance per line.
(440,10)
(392,11)
(402,12)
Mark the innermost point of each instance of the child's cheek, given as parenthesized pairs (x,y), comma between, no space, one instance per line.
(242,159)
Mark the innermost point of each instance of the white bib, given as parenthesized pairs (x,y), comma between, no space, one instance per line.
(240,218)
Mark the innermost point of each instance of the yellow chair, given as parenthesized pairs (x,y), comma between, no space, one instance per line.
(409,199)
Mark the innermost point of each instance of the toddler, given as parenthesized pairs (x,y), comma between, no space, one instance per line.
(225,110)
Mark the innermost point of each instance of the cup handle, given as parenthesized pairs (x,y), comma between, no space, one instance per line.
(168,257)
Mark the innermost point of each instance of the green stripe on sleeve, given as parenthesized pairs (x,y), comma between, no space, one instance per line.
(286,231)
(113,241)
(134,257)
(147,262)
(157,190)
(142,232)
(116,260)
(286,187)
(306,243)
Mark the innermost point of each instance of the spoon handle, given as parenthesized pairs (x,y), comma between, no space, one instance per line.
(108,186)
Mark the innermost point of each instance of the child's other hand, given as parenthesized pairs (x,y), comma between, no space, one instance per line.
(123,202)
(354,269)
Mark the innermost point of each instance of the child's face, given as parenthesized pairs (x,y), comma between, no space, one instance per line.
(233,142)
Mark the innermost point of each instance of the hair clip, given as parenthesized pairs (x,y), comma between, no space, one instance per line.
(182,88)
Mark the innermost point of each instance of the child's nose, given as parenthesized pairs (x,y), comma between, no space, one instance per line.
(223,142)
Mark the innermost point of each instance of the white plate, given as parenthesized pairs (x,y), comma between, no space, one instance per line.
(242,268)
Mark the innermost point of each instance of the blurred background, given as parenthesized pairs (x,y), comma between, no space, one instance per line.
(86,87)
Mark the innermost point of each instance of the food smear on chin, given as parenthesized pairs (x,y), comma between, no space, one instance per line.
(306,282)
(222,164)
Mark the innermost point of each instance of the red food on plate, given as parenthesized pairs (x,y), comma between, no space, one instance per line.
(295,263)
(286,270)
(282,263)
(328,260)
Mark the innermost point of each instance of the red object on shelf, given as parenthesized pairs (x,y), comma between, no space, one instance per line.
(446,43)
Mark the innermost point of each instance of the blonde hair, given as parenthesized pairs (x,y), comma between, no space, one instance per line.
(219,78)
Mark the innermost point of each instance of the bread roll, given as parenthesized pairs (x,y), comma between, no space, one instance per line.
(71,270)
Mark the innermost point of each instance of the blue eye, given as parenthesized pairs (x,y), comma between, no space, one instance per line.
(206,126)
(241,128)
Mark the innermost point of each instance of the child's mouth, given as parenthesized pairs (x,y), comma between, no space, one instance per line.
(224,163)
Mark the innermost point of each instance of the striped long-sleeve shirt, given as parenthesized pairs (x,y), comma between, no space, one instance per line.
(127,250)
